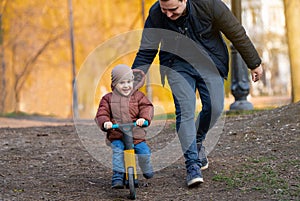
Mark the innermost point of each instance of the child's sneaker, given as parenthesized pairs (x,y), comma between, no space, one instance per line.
(117,184)
(148,175)
(194,176)
(117,180)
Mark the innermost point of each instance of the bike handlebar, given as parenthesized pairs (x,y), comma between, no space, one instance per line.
(145,124)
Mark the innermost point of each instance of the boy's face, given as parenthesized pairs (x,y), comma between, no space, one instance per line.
(124,87)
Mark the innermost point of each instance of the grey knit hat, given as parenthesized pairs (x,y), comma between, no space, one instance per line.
(119,73)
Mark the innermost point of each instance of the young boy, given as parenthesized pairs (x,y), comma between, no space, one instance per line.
(125,104)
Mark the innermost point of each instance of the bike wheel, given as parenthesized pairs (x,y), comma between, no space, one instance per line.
(132,195)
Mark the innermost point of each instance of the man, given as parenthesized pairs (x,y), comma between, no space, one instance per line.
(193,56)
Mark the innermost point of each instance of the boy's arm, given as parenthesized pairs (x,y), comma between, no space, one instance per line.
(103,113)
(146,109)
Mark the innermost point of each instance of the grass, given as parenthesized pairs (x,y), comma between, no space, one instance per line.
(23,114)
(164,116)
(14,114)
(260,175)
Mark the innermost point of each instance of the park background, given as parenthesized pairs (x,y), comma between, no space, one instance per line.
(39,38)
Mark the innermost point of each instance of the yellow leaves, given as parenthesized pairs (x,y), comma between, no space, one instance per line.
(30,25)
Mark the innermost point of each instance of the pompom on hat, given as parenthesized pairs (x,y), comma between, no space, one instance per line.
(120,72)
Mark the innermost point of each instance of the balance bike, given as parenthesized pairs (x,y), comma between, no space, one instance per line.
(129,157)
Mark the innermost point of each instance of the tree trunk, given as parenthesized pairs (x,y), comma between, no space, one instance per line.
(2,61)
(292,16)
(2,71)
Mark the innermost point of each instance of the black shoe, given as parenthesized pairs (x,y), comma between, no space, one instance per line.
(202,156)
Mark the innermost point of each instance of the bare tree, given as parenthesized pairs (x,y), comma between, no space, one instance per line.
(21,75)
(33,27)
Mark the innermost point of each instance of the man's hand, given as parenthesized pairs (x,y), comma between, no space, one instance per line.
(256,73)
(140,121)
(107,125)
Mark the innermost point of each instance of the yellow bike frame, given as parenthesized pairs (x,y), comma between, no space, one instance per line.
(129,159)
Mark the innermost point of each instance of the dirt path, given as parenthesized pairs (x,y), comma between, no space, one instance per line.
(256,158)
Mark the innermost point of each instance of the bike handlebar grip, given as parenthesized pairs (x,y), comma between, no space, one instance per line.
(114,126)
(146,123)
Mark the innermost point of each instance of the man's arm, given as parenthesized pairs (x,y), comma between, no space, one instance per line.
(148,47)
(235,32)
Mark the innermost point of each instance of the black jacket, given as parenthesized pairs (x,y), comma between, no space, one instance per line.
(204,23)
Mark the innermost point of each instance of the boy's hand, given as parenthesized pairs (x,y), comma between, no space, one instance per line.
(140,121)
(107,125)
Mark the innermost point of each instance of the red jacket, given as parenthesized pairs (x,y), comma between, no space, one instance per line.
(120,109)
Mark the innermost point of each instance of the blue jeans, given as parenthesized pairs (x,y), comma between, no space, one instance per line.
(184,80)
(141,149)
